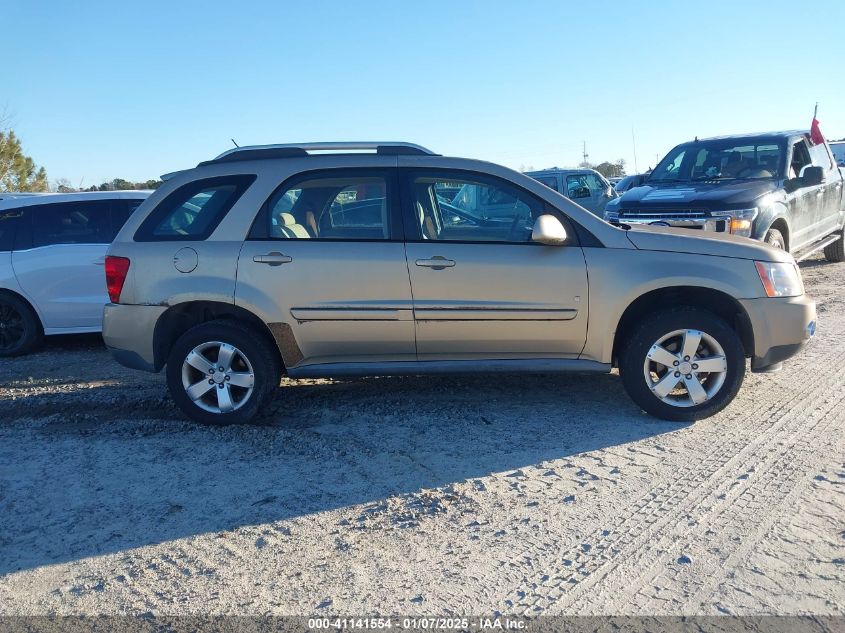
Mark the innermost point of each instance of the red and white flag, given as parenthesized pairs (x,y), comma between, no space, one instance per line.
(816,136)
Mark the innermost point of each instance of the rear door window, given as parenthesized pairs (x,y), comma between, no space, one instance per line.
(84,222)
(343,205)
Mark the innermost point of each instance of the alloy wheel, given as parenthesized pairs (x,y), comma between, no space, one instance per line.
(218,377)
(12,327)
(685,368)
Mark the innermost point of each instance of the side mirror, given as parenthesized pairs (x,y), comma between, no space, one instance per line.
(812,176)
(548,230)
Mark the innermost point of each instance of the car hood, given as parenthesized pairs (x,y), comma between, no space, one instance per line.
(693,241)
(732,194)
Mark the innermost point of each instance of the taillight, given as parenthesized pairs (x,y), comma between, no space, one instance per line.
(116,269)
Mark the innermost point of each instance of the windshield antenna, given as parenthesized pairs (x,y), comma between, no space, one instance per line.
(233,141)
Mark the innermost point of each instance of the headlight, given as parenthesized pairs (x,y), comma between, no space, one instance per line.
(739,220)
(779,279)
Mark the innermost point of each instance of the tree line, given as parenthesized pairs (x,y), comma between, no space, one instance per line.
(63,185)
(606,168)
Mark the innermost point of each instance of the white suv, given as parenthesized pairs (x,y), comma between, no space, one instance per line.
(52,252)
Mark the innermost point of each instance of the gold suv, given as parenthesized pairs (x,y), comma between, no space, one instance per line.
(352,259)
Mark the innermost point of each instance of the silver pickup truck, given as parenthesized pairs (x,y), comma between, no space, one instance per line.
(777,187)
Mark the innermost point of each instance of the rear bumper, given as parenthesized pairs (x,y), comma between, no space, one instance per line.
(782,327)
(128,332)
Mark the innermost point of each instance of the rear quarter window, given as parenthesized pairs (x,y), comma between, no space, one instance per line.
(9,219)
(193,211)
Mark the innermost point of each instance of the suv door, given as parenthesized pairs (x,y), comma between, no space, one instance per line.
(481,288)
(325,257)
(58,261)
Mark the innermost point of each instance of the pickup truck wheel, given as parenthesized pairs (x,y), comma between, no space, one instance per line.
(221,372)
(683,365)
(775,238)
(20,328)
(836,252)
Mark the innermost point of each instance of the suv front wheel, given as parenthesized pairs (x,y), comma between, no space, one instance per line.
(683,365)
(220,372)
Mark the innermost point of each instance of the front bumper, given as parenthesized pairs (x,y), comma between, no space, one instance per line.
(128,331)
(781,325)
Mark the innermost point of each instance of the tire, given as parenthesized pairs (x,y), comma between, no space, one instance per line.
(775,238)
(836,252)
(251,375)
(679,405)
(20,328)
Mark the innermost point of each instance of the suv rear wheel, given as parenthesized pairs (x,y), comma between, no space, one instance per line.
(836,252)
(20,329)
(220,372)
(683,365)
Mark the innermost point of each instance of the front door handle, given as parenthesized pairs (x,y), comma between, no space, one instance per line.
(272,259)
(437,262)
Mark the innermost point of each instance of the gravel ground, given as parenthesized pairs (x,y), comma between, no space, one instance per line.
(522,495)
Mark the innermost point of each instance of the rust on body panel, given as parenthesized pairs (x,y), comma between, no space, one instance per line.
(286,342)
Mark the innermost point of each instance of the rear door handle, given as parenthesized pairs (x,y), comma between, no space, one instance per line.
(272,259)
(437,262)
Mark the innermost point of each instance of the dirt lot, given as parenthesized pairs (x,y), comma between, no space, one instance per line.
(424,495)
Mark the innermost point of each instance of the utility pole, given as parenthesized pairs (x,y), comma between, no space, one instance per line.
(585,154)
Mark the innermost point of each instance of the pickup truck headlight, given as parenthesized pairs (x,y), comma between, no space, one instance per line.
(780,279)
(739,220)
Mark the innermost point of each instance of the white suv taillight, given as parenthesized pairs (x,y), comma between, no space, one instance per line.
(116,269)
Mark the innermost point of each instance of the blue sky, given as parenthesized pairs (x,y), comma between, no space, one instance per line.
(98,90)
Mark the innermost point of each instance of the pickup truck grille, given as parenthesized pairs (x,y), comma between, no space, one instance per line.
(680,214)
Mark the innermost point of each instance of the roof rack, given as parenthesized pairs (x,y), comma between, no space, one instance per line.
(257,152)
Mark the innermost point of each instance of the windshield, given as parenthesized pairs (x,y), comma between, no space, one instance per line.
(719,160)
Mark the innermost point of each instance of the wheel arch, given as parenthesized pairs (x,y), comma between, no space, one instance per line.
(181,317)
(713,301)
(781,224)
